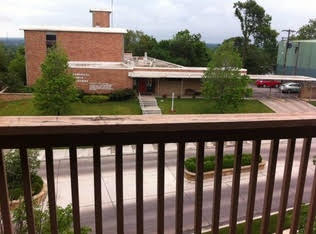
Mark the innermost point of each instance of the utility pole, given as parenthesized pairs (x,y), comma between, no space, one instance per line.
(289,31)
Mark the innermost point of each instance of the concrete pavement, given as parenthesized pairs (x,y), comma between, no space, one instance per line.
(86,192)
(288,105)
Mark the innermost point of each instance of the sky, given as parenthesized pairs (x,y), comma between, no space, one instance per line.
(213,19)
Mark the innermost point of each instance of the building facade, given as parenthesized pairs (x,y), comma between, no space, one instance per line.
(99,64)
(297,58)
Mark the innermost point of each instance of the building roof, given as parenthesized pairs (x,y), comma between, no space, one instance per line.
(160,74)
(282,78)
(97,65)
(73,29)
(100,9)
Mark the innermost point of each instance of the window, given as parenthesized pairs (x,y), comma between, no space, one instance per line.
(50,40)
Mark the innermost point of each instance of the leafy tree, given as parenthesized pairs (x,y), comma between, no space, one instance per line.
(188,49)
(307,31)
(3,59)
(258,61)
(42,220)
(55,89)
(255,23)
(11,81)
(223,81)
(17,65)
(184,48)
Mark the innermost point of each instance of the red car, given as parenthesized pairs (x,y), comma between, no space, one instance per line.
(268,83)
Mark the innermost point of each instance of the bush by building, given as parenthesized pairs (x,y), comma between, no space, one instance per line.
(95,99)
(121,95)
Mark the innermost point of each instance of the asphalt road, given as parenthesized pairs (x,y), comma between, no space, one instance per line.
(150,189)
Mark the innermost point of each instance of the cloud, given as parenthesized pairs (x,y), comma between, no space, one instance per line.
(214,19)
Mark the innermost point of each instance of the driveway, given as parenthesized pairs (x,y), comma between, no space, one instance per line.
(86,192)
(287,105)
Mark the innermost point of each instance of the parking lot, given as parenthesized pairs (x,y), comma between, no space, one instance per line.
(271,92)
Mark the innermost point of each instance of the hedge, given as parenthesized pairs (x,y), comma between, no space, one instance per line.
(122,94)
(95,99)
(209,162)
(17,192)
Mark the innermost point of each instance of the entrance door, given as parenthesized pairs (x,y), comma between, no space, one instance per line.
(145,86)
(141,86)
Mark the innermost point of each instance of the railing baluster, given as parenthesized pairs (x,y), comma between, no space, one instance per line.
(300,184)
(217,185)
(312,209)
(235,187)
(119,188)
(74,189)
(286,184)
(199,187)
(51,189)
(274,148)
(179,187)
(27,190)
(4,198)
(161,188)
(139,189)
(97,188)
(252,185)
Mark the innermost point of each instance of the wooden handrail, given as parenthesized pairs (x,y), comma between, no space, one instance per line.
(97,131)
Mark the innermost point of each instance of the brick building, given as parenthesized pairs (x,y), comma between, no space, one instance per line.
(97,60)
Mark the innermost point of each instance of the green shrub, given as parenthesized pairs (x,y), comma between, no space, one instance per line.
(81,93)
(42,220)
(121,95)
(14,173)
(26,89)
(95,99)
(209,162)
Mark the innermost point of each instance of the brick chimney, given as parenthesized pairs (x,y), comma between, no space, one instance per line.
(101,17)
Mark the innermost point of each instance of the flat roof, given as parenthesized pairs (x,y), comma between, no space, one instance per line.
(100,9)
(97,65)
(160,74)
(282,77)
(73,29)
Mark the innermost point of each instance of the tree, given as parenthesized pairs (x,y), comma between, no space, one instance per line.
(223,81)
(42,220)
(307,31)
(17,65)
(3,59)
(184,48)
(187,49)
(255,23)
(55,89)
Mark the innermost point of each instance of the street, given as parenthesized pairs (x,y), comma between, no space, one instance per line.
(86,192)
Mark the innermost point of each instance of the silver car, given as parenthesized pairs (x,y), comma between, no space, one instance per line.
(290,87)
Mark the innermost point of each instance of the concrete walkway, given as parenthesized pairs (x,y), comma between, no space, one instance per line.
(149,105)
(86,191)
(288,105)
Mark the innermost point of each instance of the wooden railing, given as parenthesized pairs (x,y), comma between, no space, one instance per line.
(72,132)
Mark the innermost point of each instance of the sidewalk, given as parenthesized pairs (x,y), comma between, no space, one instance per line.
(60,154)
(86,190)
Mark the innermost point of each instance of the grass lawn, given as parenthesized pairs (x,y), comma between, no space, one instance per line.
(203,106)
(313,103)
(272,225)
(26,108)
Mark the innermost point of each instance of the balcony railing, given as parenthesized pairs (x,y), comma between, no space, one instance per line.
(73,132)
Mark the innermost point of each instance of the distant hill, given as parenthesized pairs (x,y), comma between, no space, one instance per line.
(12,41)
(212,45)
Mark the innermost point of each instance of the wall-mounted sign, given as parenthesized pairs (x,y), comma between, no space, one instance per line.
(100,86)
(81,77)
